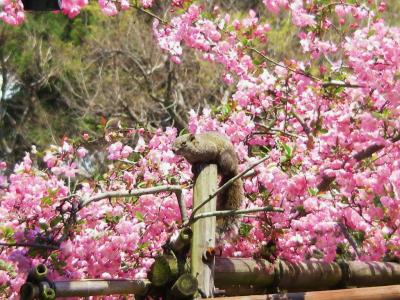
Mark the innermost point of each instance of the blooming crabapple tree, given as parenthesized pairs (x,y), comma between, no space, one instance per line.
(329,124)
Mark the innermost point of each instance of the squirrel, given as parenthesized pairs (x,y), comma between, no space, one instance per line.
(213,147)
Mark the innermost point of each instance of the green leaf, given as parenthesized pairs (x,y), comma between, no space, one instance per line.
(244,229)
(55,221)
(56,262)
(43,226)
(7,232)
(143,246)
(377,201)
(7,267)
(313,191)
(323,130)
(141,184)
(53,193)
(47,201)
(139,216)
(288,150)
(384,115)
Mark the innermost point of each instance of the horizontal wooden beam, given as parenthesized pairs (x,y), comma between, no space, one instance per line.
(246,276)
(391,292)
(94,287)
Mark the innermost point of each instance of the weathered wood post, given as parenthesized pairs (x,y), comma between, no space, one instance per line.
(204,229)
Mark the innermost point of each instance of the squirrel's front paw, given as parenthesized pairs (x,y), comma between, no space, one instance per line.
(196,168)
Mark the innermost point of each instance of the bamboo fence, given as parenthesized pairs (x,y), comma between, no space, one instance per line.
(172,277)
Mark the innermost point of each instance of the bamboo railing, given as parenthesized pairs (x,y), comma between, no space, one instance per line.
(391,292)
(241,276)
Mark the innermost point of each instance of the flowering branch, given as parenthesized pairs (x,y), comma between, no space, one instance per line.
(301,72)
(335,83)
(363,154)
(139,192)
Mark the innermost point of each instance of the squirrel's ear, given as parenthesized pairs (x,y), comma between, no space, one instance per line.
(191,137)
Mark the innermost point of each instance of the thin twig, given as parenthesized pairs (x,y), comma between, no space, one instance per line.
(337,83)
(234,212)
(182,205)
(68,197)
(139,192)
(226,185)
(349,238)
(301,72)
(141,9)
(30,245)
(126,161)
(302,122)
(359,156)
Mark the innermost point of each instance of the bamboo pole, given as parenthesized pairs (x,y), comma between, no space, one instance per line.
(373,273)
(94,287)
(204,229)
(164,270)
(243,271)
(391,292)
(86,288)
(186,286)
(246,276)
(309,275)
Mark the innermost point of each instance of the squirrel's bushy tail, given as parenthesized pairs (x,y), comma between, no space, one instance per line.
(230,199)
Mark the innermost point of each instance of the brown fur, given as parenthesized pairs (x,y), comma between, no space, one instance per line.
(213,147)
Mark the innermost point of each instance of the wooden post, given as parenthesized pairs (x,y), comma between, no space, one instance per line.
(204,229)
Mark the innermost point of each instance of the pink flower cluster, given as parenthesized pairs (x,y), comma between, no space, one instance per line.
(12,12)
(73,7)
(118,151)
(111,8)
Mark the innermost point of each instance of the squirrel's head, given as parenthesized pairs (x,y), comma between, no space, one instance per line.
(182,143)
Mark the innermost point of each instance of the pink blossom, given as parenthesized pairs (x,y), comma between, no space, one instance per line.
(82,152)
(12,12)
(50,159)
(147,3)
(85,136)
(73,7)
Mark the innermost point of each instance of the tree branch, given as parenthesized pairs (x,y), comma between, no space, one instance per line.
(359,156)
(349,238)
(301,72)
(337,83)
(234,212)
(226,185)
(139,192)
(30,245)
(302,123)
